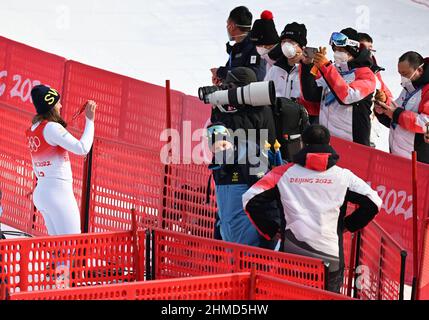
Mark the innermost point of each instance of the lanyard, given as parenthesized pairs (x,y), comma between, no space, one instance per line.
(408,96)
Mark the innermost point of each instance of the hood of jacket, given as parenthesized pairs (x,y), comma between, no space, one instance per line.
(318,157)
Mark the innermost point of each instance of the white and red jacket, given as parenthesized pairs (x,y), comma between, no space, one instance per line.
(49,143)
(408,123)
(346,103)
(296,83)
(310,193)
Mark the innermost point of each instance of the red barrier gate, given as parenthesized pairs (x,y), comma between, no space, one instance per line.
(381,265)
(179,255)
(118,185)
(70,261)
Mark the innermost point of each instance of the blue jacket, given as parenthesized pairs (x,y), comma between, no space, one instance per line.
(243,54)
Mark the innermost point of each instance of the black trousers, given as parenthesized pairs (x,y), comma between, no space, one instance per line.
(335,280)
(335,276)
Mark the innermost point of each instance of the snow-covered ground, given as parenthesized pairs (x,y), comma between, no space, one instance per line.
(181,40)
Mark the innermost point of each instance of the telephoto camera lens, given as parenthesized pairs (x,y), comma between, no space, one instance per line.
(203,92)
(255,94)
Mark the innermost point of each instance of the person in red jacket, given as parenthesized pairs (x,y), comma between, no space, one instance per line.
(409,114)
(348,88)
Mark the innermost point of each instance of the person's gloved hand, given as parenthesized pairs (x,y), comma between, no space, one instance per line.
(215,80)
(320,58)
(380,96)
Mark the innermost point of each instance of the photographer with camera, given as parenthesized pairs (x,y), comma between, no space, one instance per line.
(241,103)
(249,105)
(291,73)
(230,109)
(243,53)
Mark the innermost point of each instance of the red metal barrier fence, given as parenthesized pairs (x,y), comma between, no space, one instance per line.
(178,255)
(124,177)
(391,177)
(77,260)
(218,287)
(129,110)
(95,259)
(381,265)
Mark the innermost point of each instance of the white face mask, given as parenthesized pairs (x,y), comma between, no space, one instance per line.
(407,83)
(340,57)
(262,51)
(289,50)
(232,38)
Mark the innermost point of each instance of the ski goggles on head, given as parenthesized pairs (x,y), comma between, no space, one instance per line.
(339,39)
(217,130)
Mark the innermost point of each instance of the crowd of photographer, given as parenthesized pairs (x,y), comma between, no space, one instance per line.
(287,99)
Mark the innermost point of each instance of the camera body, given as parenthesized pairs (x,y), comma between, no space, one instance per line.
(255,94)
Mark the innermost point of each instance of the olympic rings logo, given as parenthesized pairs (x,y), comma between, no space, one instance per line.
(33,144)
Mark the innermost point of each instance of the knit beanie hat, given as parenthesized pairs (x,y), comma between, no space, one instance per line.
(296,32)
(44,98)
(264,31)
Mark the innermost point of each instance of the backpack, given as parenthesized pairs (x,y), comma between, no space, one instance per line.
(291,118)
